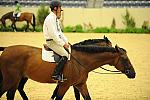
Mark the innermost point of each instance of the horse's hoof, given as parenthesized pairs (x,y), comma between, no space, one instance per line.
(52,99)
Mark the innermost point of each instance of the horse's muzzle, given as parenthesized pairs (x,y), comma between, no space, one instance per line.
(130,74)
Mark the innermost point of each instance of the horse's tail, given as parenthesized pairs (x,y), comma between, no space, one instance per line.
(34,23)
(2,48)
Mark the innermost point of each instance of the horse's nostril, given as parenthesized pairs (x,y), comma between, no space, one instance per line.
(127,71)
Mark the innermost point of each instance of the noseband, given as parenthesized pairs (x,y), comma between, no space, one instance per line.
(126,69)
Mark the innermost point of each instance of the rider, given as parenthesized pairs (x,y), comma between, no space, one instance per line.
(18,9)
(55,39)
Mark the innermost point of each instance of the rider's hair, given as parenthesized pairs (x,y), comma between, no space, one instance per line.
(55,3)
(16,2)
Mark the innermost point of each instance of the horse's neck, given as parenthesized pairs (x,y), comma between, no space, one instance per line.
(92,61)
(8,15)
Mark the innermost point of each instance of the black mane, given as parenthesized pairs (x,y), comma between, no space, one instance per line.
(90,41)
(93,48)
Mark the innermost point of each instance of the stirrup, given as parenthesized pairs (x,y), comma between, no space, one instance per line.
(59,78)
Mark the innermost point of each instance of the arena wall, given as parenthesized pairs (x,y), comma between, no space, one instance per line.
(100,17)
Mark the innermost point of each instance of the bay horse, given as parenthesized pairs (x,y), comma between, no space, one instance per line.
(19,61)
(99,42)
(25,16)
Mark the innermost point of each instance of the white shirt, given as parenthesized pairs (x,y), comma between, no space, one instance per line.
(52,30)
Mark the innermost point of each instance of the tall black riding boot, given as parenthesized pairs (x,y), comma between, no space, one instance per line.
(57,72)
(16,16)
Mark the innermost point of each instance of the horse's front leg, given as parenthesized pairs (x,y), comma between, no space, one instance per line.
(55,92)
(76,93)
(62,89)
(21,87)
(84,91)
(13,25)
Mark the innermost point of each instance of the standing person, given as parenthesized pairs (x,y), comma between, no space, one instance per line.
(55,39)
(17,9)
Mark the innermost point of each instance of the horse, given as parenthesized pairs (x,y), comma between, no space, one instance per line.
(100,42)
(20,61)
(25,16)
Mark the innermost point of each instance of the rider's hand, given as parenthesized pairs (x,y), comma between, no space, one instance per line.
(66,45)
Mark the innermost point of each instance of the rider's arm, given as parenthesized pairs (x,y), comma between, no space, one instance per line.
(53,31)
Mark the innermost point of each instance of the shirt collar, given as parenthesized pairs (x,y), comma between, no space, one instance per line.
(53,14)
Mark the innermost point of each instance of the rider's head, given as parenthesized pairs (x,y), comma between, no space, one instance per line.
(16,2)
(55,7)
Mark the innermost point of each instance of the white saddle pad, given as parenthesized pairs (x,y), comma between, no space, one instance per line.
(49,56)
(18,15)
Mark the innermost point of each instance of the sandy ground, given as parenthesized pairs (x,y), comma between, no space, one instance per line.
(101,87)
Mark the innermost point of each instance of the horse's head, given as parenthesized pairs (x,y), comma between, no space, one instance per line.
(123,64)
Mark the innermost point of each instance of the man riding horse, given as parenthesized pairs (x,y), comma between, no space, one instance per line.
(55,39)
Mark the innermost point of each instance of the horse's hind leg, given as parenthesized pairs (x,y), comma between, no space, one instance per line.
(20,88)
(33,26)
(27,26)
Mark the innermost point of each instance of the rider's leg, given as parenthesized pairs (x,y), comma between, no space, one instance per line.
(57,72)
(62,52)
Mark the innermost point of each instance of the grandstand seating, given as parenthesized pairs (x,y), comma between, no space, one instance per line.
(83,3)
(127,3)
(26,3)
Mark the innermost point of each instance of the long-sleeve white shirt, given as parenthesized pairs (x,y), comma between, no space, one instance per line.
(52,30)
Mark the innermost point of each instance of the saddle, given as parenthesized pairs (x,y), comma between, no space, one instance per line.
(16,15)
(47,48)
(49,55)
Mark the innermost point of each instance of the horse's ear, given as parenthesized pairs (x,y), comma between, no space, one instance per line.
(104,37)
(117,48)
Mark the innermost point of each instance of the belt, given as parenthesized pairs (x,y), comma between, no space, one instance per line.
(49,39)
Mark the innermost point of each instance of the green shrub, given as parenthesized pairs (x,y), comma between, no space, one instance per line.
(145,25)
(7,29)
(113,24)
(101,30)
(113,30)
(42,12)
(39,29)
(68,29)
(128,20)
(78,28)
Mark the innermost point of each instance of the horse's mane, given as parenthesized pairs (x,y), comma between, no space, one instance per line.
(90,41)
(93,48)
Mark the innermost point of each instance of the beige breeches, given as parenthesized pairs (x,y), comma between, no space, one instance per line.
(57,48)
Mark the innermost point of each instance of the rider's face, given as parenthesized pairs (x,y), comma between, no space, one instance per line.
(59,10)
